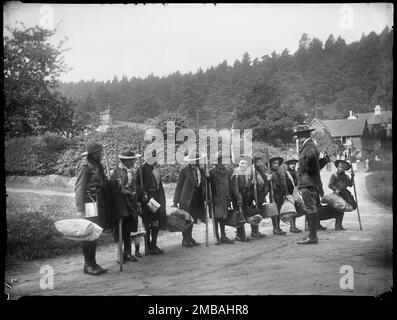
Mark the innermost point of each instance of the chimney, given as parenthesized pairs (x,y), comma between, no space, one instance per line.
(377,109)
(351,116)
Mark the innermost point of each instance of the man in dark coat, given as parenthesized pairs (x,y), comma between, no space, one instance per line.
(153,188)
(124,174)
(88,189)
(221,198)
(190,194)
(309,180)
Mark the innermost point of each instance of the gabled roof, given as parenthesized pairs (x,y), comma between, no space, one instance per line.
(344,127)
(372,118)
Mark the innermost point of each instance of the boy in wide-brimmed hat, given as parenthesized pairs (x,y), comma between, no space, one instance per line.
(90,180)
(190,193)
(338,183)
(292,182)
(279,191)
(153,188)
(124,172)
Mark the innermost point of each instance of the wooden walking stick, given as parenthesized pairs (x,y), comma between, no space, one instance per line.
(271,197)
(254,182)
(210,200)
(141,180)
(206,211)
(355,192)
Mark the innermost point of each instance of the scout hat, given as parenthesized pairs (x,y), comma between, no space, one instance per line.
(280,160)
(291,160)
(301,128)
(127,154)
(92,147)
(347,164)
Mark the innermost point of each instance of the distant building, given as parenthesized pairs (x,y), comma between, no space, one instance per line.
(379,123)
(107,121)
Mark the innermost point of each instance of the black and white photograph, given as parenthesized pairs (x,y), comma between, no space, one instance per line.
(213,149)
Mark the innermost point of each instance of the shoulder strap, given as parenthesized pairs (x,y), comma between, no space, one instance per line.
(290,177)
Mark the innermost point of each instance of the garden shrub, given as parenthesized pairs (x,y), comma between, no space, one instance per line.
(32,235)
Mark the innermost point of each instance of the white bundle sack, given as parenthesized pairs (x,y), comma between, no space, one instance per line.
(79,229)
(180,214)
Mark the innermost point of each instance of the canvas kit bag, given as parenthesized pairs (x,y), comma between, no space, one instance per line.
(288,210)
(337,202)
(178,220)
(79,229)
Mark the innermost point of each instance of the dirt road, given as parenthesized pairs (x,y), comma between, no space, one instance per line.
(272,265)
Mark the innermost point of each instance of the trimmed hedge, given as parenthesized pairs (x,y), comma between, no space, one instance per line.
(41,155)
(54,154)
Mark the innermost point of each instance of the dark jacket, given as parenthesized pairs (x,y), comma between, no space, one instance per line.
(221,191)
(310,165)
(339,181)
(279,186)
(241,190)
(190,197)
(132,194)
(290,184)
(92,185)
(151,188)
(262,189)
(90,180)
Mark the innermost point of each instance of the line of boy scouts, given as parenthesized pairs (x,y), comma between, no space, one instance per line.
(228,190)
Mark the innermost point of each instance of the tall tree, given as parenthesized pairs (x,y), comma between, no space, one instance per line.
(31,70)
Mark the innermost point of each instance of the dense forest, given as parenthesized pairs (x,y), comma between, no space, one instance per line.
(269,94)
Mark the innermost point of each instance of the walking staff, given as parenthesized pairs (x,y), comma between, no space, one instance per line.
(355,192)
(254,182)
(141,180)
(207,208)
(211,203)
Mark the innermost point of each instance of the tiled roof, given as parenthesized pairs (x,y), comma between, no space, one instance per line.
(344,127)
(372,118)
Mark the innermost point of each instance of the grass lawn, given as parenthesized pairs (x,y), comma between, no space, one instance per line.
(380,186)
(51,207)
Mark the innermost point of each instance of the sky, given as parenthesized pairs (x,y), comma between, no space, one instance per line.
(137,40)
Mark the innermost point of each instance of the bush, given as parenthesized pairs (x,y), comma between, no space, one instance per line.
(38,155)
(32,235)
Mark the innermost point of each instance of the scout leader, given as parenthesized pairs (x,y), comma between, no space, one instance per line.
(221,198)
(88,191)
(124,173)
(338,183)
(190,194)
(309,180)
(153,188)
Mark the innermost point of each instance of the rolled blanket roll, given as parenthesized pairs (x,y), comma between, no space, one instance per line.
(78,229)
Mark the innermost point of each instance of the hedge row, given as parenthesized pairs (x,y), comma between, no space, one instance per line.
(42,155)
(54,154)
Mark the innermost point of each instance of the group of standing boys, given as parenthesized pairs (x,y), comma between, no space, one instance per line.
(244,190)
